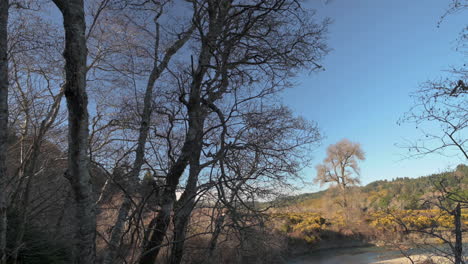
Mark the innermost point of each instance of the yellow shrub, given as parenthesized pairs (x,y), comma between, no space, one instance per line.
(307,225)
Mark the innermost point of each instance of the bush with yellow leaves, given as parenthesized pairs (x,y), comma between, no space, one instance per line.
(307,226)
(413,219)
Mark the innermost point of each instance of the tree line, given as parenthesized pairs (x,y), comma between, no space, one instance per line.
(129,129)
(119,118)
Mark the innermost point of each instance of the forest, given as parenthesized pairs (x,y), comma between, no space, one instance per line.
(155,131)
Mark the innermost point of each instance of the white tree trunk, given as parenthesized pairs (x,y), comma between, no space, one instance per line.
(77,102)
(3,124)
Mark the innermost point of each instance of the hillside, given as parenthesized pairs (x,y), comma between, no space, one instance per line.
(401,193)
(402,212)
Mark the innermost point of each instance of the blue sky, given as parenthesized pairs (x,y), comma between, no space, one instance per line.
(382,51)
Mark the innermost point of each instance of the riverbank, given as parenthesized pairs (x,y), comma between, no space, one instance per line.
(417,259)
(349,255)
(363,255)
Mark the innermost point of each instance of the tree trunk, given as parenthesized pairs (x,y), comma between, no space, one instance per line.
(197,117)
(181,220)
(28,173)
(214,237)
(191,147)
(23,208)
(168,198)
(75,55)
(162,220)
(185,205)
(151,249)
(343,188)
(3,125)
(117,231)
(458,236)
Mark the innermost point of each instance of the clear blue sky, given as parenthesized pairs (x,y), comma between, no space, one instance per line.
(382,51)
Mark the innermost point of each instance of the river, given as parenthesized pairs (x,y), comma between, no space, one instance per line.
(355,255)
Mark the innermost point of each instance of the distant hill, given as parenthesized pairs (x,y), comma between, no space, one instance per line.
(404,193)
(296,199)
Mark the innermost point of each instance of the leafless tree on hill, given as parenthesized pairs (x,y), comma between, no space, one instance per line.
(339,167)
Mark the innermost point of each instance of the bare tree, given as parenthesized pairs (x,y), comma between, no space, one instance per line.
(36,93)
(340,166)
(234,52)
(447,198)
(159,66)
(78,174)
(258,166)
(4,6)
(198,93)
(451,200)
(455,6)
(444,103)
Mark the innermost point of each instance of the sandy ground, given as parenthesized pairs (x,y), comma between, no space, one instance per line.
(416,259)
(367,258)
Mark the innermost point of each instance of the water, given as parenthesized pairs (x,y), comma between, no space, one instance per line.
(359,255)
